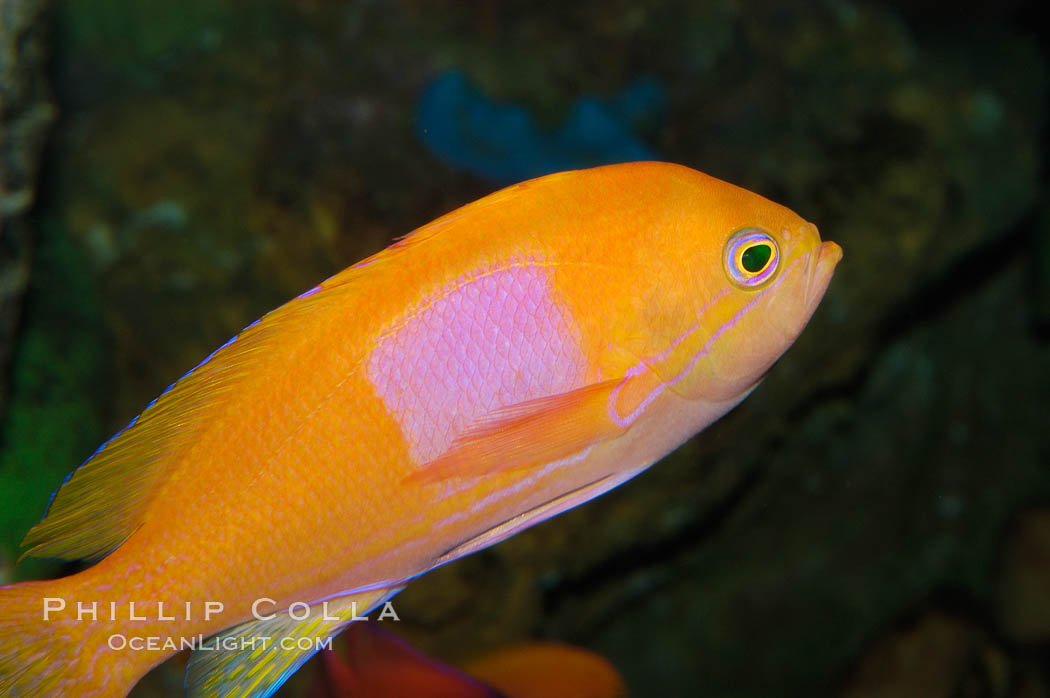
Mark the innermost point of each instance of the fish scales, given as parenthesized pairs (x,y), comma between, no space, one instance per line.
(499,365)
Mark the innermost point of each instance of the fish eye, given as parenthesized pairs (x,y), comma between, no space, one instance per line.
(751,258)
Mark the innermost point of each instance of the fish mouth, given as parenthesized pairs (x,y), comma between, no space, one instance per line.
(819,269)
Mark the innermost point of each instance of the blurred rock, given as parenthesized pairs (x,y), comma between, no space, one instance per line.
(1041,273)
(939,656)
(58,374)
(26,113)
(1022,587)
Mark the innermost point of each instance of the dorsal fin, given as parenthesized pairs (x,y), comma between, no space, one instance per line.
(103,501)
(497,198)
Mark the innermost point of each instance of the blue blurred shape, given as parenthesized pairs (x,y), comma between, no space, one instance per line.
(502,142)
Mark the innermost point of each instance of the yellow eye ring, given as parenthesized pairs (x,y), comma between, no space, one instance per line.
(751,258)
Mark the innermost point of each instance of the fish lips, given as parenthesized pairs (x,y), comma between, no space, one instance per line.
(820,268)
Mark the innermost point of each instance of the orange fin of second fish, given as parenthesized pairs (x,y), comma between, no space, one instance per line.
(532,433)
(379,664)
(550,670)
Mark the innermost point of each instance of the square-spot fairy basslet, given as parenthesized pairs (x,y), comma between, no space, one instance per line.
(500,365)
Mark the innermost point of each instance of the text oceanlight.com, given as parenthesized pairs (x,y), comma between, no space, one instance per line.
(153,643)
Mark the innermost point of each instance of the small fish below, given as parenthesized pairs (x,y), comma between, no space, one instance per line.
(376,663)
(504,363)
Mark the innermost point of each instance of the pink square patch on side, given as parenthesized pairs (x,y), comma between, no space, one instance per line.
(495,339)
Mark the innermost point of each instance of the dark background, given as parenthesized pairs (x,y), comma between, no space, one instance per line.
(873,521)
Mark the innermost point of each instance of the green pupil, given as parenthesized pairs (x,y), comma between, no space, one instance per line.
(755,258)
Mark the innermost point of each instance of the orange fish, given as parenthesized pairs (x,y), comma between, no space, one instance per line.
(548,670)
(500,365)
(381,665)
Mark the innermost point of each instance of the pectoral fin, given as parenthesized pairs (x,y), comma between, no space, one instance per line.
(528,434)
(537,432)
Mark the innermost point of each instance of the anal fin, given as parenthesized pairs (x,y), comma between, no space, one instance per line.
(271,648)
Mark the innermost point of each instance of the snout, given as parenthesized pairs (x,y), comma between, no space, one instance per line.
(821,267)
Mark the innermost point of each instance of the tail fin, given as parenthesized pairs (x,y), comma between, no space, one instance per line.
(28,650)
(50,657)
